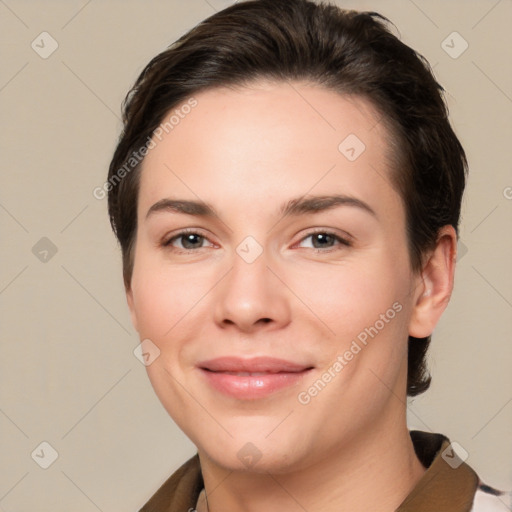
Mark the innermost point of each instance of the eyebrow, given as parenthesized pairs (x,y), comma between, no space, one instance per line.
(294,207)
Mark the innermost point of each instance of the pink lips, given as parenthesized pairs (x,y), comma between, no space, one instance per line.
(249,379)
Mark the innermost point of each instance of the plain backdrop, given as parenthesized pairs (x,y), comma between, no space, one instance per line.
(68,374)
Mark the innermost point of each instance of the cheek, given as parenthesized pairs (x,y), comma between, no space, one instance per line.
(164,296)
(352,296)
(364,306)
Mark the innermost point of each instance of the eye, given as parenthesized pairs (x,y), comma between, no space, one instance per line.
(186,240)
(319,240)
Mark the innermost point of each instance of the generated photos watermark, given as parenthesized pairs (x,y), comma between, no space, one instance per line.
(342,360)
(138,155)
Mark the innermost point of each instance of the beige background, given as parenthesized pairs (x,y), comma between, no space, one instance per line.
(68,375)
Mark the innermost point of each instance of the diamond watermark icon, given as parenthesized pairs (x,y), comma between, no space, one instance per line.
(351,147)
(462,250)
(146,352)
(249,455)
(454,455)
(44,250)
(454,45)
(221,4)
(44,45)
(44,455)
(249,249)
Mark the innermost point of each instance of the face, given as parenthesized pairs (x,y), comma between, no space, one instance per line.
(271,271)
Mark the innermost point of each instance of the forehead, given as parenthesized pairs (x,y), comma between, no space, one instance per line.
(261,141)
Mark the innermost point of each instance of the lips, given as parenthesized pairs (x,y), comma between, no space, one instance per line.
(250,379)
(253,365)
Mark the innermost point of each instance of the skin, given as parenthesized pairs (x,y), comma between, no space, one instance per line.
(246,152)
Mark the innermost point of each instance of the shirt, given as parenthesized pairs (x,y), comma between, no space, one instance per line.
(448,484)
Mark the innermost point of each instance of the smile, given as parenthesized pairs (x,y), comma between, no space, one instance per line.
(251,379)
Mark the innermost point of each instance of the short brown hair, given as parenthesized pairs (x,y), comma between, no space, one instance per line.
(346,51)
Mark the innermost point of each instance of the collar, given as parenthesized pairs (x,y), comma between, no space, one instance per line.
(447,484)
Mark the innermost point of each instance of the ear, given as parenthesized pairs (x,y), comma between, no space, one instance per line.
(131,306)
(434,285)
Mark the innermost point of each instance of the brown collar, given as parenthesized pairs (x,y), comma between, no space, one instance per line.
(448,484)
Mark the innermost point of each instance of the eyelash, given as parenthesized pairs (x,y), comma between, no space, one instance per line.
(344,242)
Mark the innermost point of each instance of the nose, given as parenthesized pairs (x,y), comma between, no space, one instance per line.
(251,297)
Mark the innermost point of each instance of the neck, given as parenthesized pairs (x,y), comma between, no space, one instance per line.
(375,470)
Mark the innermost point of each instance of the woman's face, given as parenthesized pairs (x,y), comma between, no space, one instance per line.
(281,320)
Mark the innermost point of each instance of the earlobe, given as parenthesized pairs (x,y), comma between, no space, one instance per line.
(131,306)
(434,285)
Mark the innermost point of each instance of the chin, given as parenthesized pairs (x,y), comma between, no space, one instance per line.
(251,449)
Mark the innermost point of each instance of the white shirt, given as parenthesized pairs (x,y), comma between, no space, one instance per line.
(489,502)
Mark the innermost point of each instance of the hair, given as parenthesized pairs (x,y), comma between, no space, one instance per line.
(349,52)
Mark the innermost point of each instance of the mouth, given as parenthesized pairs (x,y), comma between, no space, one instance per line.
(250,379)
